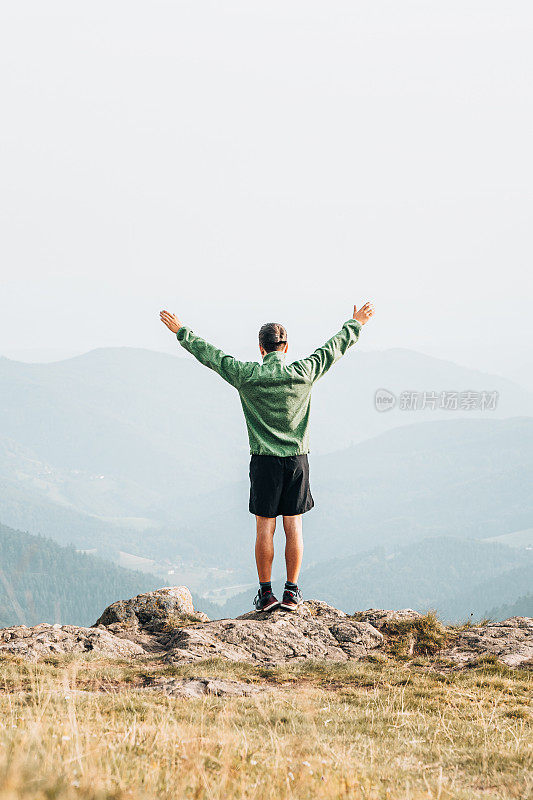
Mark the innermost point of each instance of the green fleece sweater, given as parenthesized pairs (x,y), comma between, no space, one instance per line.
(275,396)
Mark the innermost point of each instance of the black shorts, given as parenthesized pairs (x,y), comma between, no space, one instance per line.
(279,485)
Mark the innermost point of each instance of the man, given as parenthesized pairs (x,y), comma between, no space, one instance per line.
(275,398)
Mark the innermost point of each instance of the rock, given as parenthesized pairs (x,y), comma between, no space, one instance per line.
(380,618)
(309,609)
(43,640)
(152,613)
(164,622)
(315,631)
(199,687)
(511,641)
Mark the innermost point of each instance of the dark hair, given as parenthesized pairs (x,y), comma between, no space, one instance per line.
(272,336)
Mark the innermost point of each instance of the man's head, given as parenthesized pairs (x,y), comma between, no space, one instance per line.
(272,336)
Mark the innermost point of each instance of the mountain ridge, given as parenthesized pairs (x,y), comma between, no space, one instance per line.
(428,478)
(42,580)
(423,575)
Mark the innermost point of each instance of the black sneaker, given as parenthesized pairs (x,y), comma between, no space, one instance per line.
(291,599)
(265,602)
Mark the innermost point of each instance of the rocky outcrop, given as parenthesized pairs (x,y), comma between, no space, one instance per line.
(43,640)
(153,612)
(315,631)
(151,617)
(511,642)
(164,622)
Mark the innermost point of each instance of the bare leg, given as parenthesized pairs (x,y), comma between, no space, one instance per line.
(264,547)
(294,546)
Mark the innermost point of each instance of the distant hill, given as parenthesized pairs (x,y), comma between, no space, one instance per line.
(343,401)
(40,581)
(65,504)
(140,415)
(523,607)
(132,415)
(458,478)
(467,478)
(456,577)
(516,538)
(131,450)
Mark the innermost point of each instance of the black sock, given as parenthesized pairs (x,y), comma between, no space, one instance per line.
(265,587)
(292,587)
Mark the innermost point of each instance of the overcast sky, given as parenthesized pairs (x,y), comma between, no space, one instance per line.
(245,162)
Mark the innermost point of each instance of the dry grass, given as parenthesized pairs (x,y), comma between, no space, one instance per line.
(425,635)
(84,728)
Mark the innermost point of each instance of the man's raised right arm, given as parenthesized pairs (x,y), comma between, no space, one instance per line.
(317,364)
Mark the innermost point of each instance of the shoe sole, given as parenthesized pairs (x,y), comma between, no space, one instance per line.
(291,607)
(269,608)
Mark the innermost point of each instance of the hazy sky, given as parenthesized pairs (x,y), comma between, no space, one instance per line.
(244,162)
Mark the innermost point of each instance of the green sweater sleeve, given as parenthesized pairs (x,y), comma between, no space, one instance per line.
(210,356)
(317,364)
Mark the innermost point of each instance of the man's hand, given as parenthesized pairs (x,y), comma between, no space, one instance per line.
(170,320)
(364,314)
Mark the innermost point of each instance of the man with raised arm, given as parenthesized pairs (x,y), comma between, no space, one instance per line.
(275,397)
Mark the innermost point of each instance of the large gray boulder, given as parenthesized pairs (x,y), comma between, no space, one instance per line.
(510,641)
(42,640)
(149,617)
(315,631)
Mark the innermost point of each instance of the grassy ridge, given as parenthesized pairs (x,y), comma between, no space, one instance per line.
(84,728)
